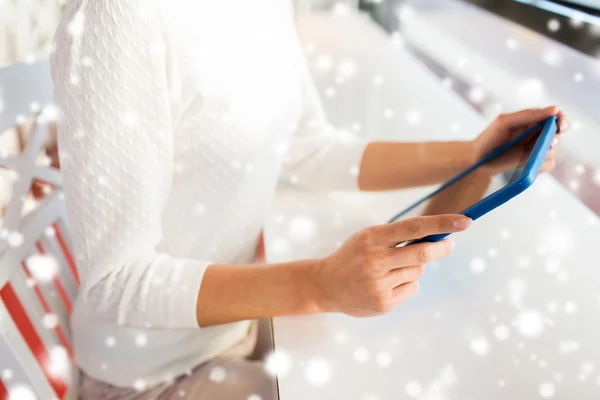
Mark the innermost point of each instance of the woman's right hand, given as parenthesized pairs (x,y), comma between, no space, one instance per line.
(369,276)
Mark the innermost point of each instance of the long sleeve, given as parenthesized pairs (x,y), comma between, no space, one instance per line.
(320,156)
(115,137)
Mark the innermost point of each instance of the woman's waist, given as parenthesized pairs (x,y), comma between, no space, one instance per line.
(120,354)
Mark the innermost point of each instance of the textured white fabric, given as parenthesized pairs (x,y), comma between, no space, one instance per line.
(176,120)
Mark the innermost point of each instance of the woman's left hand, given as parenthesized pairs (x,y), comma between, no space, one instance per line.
(507,127)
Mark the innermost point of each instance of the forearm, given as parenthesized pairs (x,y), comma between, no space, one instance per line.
(232,293)
(391,165)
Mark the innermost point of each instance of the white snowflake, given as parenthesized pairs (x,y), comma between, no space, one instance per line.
(199,209)
(552,57)
(110,341)
(302,228)
(413,117)
(317,372)
(570,307)
(141,340)
(597,177)
(476,94)
(278,363)
(568,346)
(347,68)
(477,265)
(7,374)
(43,267)
(324,62)
(87,61)
(340,9)
(383,359)
(574,185)
(50,321)
(74,79)
(76,26)
(480,346)
(139,385)
(413,389)
(341,337)
(361,354)
(279,246)
(130,119)
(15,239)
(59,363)
(530,323)
(587,367)
(575,22)
(502,332)
(218,374)
(531,91)
(406,13)
(388,113)
(21,392)
(553,25)
(547,390)
(512,44)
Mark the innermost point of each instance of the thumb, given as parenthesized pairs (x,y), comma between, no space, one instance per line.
(528,117)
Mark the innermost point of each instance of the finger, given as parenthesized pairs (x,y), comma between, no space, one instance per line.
(417,228)
(549,163)
(564,123)
(552,154)
(530,116)
(403,292)
(420,253)
(399,276)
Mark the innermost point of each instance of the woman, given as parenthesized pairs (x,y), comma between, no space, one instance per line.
(177,119)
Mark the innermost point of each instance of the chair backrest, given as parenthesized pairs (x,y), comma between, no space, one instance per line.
(38,277)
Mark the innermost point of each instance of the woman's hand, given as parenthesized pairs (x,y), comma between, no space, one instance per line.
(369,276)
(508,126)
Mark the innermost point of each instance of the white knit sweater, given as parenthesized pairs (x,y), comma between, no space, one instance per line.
(177,118)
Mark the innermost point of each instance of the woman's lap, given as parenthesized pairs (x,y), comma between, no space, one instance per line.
(223,379)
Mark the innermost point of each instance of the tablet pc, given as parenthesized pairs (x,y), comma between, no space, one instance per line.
(515,181)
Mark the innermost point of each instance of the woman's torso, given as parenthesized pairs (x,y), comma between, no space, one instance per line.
(233,69)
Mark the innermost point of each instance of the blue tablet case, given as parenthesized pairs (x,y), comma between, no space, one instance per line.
(518,185)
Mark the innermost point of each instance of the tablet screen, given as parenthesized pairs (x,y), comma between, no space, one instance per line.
(477,184)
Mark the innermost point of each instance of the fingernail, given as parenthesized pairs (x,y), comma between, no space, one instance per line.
(452,244)
(462,223)
(564,126)
(555,141)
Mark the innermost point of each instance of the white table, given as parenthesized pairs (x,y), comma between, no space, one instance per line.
(512,314)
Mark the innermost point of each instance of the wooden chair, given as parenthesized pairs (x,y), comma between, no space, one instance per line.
(38,277)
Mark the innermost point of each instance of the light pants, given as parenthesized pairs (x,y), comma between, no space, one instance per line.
(244,377)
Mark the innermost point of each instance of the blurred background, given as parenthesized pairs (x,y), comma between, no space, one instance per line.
(409,70)
(493,55)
